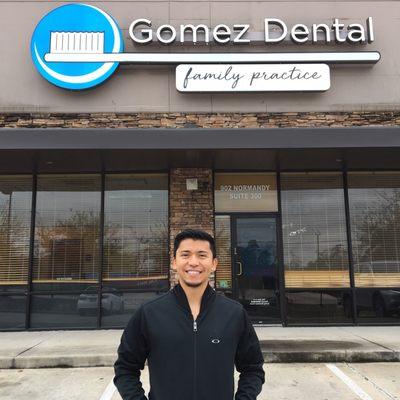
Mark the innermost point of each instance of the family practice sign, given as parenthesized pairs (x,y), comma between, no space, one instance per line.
(252,78)
(78,46)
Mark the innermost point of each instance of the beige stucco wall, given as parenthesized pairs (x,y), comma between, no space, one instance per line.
(152,89)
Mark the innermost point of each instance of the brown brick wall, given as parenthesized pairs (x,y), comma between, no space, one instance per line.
(190,209)
(199,120)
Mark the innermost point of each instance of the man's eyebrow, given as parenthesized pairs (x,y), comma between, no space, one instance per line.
(199,251)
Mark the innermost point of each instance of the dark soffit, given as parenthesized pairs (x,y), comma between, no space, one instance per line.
(196,138)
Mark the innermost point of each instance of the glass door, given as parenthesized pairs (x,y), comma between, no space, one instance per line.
(255,267)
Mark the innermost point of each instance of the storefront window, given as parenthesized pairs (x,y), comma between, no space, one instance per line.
(245,192)
(374,199)
(67,232)
(136,231)
(15,220)
(314,230)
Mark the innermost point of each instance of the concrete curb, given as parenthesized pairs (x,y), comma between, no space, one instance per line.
(107,360)
(71,361)
(317,350)
(331,356)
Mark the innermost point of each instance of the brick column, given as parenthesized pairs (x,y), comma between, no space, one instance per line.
(190,208)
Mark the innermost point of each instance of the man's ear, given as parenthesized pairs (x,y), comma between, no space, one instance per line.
(215,264)
(173,264)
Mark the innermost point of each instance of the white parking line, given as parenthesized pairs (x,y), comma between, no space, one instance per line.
(373,383)
(109,392)
(350,383)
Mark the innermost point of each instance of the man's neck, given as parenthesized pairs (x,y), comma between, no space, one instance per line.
(194,295)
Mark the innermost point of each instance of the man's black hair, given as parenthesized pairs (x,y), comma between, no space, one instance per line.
(195,234)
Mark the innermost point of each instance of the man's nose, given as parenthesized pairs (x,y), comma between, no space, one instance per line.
(194,260)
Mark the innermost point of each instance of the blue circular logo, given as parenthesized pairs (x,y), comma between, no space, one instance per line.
(70,44)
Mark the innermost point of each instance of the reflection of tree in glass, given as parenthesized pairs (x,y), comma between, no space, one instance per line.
(68,248)
(223,244)
(333,258)
(136,251)
(292,260)
(14,245)
(376,230)
(315,251)
(153,259)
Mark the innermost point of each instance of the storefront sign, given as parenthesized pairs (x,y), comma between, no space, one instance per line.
(248,192)
(252,78)
(275,31)
(78,46)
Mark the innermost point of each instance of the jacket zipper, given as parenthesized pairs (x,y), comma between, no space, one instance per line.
(195,359)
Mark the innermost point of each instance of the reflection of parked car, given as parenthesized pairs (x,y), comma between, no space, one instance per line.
(384,302)
(111,302)
(388,302)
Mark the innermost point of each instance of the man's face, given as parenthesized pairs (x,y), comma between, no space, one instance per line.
(194,262)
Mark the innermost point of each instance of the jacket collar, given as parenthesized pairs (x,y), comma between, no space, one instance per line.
(206,300)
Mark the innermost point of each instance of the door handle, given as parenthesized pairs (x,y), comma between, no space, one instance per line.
(241,268)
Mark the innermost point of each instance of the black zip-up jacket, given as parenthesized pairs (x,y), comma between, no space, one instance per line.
(187,359)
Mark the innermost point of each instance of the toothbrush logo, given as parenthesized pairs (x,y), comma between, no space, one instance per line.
(76,30)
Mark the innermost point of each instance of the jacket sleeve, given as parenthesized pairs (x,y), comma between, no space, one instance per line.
(249,362)
(132,353)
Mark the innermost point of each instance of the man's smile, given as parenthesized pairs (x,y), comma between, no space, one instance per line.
(193,272)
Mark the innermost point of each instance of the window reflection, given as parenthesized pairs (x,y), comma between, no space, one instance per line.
(314,230)
(67,231)
(60,311)
(223,243)
(136,230)
(316,306)
(12,311)
(112,302)
(374,199)
(118,307)
(383,304)
(15,218)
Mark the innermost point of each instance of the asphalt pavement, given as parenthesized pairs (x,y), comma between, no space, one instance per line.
(97,348)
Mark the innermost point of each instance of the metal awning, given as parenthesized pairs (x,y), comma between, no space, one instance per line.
(196,138)
(93,150)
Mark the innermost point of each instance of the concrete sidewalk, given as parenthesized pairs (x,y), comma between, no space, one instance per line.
(98,348)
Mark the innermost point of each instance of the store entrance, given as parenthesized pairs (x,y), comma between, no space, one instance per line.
(255,275)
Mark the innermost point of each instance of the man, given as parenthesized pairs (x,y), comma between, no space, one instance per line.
(191,337)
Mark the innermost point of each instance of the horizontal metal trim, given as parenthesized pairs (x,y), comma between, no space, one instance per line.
(197,138)
(188,58)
